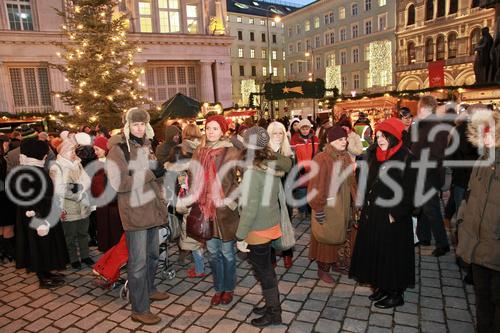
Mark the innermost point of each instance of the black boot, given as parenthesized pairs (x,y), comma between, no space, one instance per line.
(394,299)
(272,316)
(2,250)
(46,282)
(259,310)
(377,295)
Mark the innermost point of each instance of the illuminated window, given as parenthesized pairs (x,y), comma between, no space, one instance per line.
(283,55)
(275,71)
(382,3)
(263,53)
(238,19)
(240,52)
(273,23)
(252,53)
(251,21)
(274,55)
(264,71)
(307,25)
(192,19)
(262,22)
(341,13)
(169,16)
(19,15)
(316,22)
(145,18)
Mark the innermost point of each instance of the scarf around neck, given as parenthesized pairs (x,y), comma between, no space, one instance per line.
(383,156)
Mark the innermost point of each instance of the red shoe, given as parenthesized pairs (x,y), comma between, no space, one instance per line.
(325,277)
(191,273)
(227,297)
(216,299)
(288,261)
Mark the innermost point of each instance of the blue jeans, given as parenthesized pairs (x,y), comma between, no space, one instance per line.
(199,262)
(143,252)
(300,194)
(431,221)
(223,264)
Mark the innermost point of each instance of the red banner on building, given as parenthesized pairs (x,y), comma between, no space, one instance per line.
(436,73)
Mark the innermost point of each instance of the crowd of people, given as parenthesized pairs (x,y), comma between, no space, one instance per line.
(360,186)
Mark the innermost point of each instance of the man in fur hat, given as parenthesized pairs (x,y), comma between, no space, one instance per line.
(135,175)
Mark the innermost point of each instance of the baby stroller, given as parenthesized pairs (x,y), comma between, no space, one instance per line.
(109,267)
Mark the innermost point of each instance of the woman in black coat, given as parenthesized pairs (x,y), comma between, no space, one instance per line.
(40,243)
(384,255)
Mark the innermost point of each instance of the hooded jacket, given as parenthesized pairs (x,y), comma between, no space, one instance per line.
(479,215)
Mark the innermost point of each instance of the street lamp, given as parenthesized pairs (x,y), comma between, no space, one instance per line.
(310,53)
(276,19)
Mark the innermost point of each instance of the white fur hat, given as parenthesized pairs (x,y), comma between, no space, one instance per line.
(83,139)
(134,115)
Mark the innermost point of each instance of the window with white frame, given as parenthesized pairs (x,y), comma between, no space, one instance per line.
(284,54)
(327,20)
(169,16)
(327,38)
(332,37)
(239,19)
(355,81)
(263,53)
(355,55)
(145,16)
(317,63)
(240,52)
(332,17)
(317,41)
(264,71)
(354,9)
(164,82)
(382,22)
(19,14)
(354,30)
(368,5)
(251,20)
(382,3)
(307,25)
(252,53)
(192,19)
(343,57)
(262,22)
(343,35)
(274,55)
(273,23)
(275,71)
(368,27)
(316,22)
(30,89)
(343,81)
(341,13)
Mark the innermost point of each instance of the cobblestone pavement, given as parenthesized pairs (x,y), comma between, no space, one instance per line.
(439,303)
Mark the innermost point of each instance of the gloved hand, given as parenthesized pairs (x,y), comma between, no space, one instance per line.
(242,246)
(156,168)
(320,217)
(43,230)
(75,187)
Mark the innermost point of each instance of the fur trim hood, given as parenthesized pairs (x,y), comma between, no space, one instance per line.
(480,120)
(134,115)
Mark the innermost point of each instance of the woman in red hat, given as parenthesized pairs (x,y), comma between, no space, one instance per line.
(215,180)
(384,253)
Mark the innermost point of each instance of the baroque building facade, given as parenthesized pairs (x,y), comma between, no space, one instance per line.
(184,43)
(258,38)
(349,44)
(431,30)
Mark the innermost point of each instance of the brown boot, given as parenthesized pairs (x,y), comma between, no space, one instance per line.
(146,318)
(323,269)
(159,296)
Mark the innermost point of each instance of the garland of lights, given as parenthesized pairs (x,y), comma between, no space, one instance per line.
(380,70)
(333,79)
(247,87)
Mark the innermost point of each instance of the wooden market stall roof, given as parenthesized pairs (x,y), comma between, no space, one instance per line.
(366,103)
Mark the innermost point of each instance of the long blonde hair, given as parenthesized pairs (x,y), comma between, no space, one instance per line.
(285,148)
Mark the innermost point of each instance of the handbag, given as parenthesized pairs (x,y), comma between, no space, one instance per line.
(287,239)
(197,226)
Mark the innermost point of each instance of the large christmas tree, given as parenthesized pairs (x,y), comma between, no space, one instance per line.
(99,62)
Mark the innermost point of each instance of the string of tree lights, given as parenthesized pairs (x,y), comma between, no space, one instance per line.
(99,62)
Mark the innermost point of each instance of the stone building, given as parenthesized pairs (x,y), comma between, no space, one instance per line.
(258,35)
(182,51)
(349,44)
(434,30)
